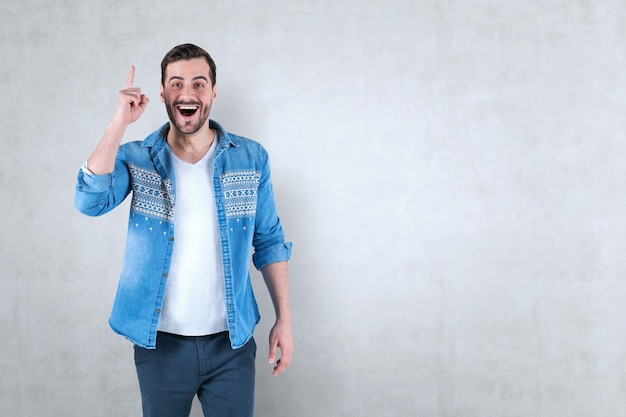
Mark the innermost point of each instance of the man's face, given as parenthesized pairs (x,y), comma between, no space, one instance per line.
(188,94)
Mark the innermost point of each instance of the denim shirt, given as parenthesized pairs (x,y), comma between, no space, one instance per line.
(246,216)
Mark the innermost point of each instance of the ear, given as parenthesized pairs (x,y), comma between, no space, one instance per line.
(162,94)
(214,94)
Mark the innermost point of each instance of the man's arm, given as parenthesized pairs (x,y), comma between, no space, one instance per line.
(276,278)
(130,106)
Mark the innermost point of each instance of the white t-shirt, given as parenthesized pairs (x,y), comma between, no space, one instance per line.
(194,302)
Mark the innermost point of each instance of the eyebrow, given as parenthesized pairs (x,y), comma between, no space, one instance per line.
(199,77)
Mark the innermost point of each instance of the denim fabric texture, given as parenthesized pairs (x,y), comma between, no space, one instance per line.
(246,215)
(182,367)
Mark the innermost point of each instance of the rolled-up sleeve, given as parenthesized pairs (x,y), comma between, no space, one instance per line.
(269,239)
(99,194)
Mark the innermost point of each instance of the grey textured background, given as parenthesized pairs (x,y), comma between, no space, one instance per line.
(451,173)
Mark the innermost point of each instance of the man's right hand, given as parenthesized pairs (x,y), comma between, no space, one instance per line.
(130,106)
(130,101)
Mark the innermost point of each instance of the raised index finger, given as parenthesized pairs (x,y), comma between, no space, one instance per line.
(131,77)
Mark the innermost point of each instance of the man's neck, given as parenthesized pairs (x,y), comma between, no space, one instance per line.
(190,148)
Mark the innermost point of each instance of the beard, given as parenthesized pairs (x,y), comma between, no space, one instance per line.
(188,127)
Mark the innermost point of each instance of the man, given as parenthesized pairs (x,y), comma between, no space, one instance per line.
(201,201)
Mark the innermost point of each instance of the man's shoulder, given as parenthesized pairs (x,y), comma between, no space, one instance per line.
(235,141)
(246,150)
(242,141)
(133,148)
(143,148)
(133,144)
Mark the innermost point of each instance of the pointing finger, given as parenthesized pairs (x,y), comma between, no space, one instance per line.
(131,77)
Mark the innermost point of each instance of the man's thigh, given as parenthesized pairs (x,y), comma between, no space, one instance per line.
(228,385)
(168,376)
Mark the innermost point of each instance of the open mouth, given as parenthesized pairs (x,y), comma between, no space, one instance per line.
(187,110)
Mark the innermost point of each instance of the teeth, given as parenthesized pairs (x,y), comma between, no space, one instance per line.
(188,107)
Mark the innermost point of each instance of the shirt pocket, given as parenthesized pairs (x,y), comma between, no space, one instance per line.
(240,190)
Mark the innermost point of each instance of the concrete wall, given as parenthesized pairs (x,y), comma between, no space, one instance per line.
(451,172)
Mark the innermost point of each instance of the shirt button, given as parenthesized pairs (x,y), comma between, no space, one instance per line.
(171,239)
(165,274)
(157,310)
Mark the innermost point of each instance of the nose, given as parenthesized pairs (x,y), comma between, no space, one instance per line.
(187,92)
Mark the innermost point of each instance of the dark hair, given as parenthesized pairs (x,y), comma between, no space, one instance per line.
(187,51)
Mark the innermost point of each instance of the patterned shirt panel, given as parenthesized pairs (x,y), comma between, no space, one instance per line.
(240,190)
(151,195)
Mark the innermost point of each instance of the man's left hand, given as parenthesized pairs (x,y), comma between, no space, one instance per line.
(280,338)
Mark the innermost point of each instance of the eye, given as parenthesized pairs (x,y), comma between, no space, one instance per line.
(199,85)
